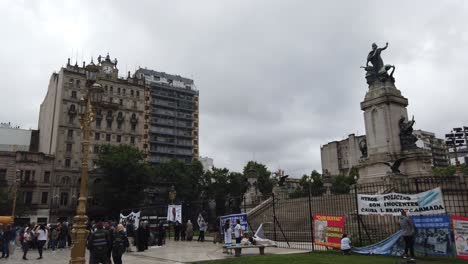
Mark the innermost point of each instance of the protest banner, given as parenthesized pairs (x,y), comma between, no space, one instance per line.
(328,230)
(133,218)
(232,218)
(460,232)
(425,203)
(174,213)
(432,235)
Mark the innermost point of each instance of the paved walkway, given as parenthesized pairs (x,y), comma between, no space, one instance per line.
(172,253)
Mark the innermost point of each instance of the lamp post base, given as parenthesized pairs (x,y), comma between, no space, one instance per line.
(80,237)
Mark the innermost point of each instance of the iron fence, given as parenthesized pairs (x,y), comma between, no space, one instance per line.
(287,217)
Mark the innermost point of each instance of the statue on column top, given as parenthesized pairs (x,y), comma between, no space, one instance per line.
(378,70)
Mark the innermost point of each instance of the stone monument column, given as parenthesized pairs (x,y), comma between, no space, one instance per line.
(388,132)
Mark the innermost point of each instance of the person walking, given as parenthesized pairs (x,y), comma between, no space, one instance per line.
(227,237)
(41,234)
(203,227)
(407,232)
(99,244)
(238,232)
(189,231)
(119,244)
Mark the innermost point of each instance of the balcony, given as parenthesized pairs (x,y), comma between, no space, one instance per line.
(163,112)
(184,134)
(184,115)
(28,184)
(164,103)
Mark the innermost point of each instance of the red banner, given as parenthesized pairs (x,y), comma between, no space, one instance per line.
(328,230)
(460,233)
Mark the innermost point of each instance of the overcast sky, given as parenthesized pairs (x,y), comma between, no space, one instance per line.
(276,78)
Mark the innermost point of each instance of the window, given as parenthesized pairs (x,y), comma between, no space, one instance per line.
(137,93)
(133,127)
(118,90)
(119,125)
(132,140)
(67,163)
(3,175)
(98,123)
(28,197)
(108,137)
(64,199)
(46,176)
(44,197)
(73,94)
(69,148)
(109,124)
(78,82)
(131,92)
(70,133)
(27,176)
(97,136)
(71,81)
(105,88)
(120,102)
(119,138)
(123,92)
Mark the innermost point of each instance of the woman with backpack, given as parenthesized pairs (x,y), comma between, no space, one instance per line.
(119,244)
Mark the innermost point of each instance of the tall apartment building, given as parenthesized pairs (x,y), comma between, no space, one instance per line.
(339,157)
(437,147)
(174,117)
(118,120)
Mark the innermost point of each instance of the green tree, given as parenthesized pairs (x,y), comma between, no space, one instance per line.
(265,182)
(124,177)
(449,171)
(6,202)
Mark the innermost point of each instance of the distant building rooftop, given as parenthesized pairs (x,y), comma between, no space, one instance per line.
(165,75)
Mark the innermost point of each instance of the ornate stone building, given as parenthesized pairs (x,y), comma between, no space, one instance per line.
(119,120)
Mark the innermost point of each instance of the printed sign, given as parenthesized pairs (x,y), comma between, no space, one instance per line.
(425,203)
(174,213)
(328,230)
(460,231)
(133,218)
(232,219)
(432,235)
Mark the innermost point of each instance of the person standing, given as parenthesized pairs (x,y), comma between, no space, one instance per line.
(99,244)
(183,229)
(130,236)
(203,226)
(8,236)
(189,231)
(176,231)
(53,238)
(227,236)
(407,232)
(41,235)
(238,232)
(119,244)
(26,241)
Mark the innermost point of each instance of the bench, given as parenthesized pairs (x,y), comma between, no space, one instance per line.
(238,248)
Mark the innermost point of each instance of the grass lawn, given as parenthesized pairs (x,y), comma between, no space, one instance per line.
(328,258)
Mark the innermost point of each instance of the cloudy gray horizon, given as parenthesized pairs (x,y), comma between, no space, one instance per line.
(277,79)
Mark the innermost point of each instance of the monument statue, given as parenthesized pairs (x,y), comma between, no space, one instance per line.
(363,147)
(407,139)
(378,70)
(395,166)
(172,194)
(282,180)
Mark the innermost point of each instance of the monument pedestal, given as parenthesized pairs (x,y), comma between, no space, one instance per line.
(383,108)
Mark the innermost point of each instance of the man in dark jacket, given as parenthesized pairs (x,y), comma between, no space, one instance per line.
(99,244)
(407,232)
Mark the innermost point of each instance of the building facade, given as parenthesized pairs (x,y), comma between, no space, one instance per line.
(119,119)
(14,138)
(207,163)
(339,157)
(437,147)
(35,173)
(173,117)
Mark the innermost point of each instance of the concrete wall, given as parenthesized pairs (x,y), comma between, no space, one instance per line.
(14,139)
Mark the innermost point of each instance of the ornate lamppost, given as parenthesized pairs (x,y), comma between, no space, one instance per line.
(15,191)
(92,97)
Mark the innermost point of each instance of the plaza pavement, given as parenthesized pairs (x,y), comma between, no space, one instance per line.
(171,253)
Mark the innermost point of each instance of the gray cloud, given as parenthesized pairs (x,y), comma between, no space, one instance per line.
(277,78)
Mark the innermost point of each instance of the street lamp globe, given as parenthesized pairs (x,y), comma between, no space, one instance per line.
(82,106)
